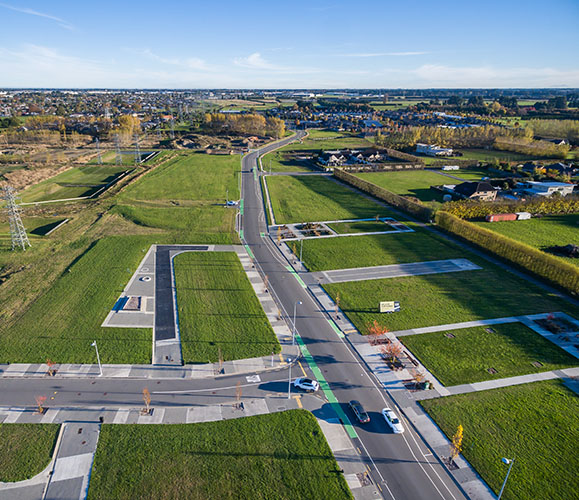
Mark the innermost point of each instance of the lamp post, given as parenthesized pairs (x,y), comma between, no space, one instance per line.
(289,381)
(509,462)
(296,303)
(94,344)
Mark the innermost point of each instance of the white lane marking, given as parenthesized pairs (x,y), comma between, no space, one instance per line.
(253,379)
(190,391)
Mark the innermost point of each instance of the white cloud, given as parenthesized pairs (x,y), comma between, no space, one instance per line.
(384,54)
(254,61)
(195,63)
(25,10)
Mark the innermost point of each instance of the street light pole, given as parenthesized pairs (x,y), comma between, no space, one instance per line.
(507,461)
(289,382)
(294,323)
(94,344)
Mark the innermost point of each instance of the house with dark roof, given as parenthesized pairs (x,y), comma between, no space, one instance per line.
(482,191)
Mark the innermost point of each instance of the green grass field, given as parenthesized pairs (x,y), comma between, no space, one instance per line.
(483,155)
(277,456)
(321,140)
(35,226)
(542,232)
(474,174)
(218,309)
(195,177)
(537,424)
(359,227)
(110,157)
(313,198)
(439,299)
(510,349)
(73,183)
(414,183)
(62,323)
(188,224)
(376,250)
(26,450)
(280,161)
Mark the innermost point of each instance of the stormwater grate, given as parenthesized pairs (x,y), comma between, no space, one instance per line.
(492,371)
(490,330)
(449,335)
(537,364)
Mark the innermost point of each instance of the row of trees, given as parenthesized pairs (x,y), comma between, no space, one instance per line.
(562,129)
(245,123)
(527,146)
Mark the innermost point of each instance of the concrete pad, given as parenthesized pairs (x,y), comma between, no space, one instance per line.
(155,418)
(72,467)
(121,416)
(33,492)
(17,369)
(203,414)
(49,416)
(249,365)
(353,481)
(335,435)
(201,371)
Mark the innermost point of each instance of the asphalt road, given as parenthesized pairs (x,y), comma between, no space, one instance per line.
(402,464)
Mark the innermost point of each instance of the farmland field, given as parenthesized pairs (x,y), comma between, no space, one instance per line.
(510,349)
(218,310)
(73,183)
(195,177)
(61,324)
(537,424)
(541,233)
(260,457)
(439,299)
(26,449)
(313,198)
(376,250)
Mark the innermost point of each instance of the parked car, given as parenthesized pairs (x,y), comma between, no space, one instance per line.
(306,384)
(359,411)
(392,420)
(231,203)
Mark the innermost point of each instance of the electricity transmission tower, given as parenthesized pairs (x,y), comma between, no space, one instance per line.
(98,147)
(172,128)
(137,151)
(17,232)
(119,158)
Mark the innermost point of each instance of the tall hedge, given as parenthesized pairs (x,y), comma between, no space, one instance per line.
(541,264)
(417,210)
(466,209)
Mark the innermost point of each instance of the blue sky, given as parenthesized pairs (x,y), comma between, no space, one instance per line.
(298,44)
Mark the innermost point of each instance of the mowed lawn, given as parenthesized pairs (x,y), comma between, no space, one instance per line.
(73,183)
(541,233)
(190,176)
(376,250)
(282,161)
(25,450)
(187,224)
(510,349)
(313,198)
(439,299)
(218,310)
(414,183)
(276,456)
(63,322)
(537,424)
(368,226)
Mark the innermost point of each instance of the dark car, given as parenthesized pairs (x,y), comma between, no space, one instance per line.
(359,411)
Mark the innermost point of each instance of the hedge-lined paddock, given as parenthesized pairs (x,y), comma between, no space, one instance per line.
(557,272)
(466,209)
(415,209)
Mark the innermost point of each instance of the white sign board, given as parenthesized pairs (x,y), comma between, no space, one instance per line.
(389,306)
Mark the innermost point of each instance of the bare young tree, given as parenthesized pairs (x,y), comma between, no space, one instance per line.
(40,400)
(147,399)
(51,370)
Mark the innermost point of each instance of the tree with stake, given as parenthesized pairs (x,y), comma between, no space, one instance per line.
(51,370)
(456,444)
(40,400)
(147,400)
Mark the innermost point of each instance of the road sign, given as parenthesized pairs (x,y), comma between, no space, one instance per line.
(389,306)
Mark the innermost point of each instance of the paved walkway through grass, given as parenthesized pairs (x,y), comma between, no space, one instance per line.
(392,271)
(190,371)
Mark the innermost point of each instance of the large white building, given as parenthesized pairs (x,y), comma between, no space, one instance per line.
(534,188)
(433,150)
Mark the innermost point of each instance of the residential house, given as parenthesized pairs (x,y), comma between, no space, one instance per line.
(481,191)
(433,150)
(546,189)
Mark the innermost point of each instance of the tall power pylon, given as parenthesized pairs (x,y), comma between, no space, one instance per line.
(137,151)
(17,232)
(118,158)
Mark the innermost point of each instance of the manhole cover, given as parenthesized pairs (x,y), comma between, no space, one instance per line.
(490,330)
(449,335)
(144,269)
(146,278)
(537,364)
(492,371)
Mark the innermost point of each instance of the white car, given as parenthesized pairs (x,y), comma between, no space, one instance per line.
(307,384)
(392,420)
